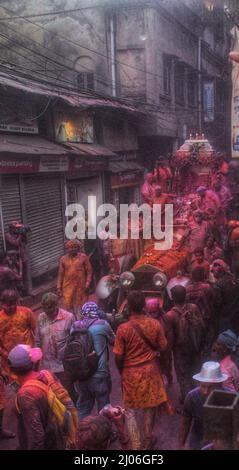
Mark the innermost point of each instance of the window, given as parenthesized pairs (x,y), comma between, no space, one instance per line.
(85,80)
(192,88)
(209,101)
(167,75)
(180,84)
(221,97)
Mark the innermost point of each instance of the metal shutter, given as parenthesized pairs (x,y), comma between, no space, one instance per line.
(11,203)
(44,215)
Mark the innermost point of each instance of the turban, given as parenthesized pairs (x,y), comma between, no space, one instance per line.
(73,244)
(91,309)
(201,188)
(230,339)
(152,304)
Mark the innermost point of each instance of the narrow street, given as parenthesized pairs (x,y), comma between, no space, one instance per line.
(166,428)
(119,199)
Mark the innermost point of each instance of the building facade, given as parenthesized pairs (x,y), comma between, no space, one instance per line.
(173,59)
(51,159)
(167,57)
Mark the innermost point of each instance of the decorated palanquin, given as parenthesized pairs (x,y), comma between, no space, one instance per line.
(193,165)
(162,262)
(154,269)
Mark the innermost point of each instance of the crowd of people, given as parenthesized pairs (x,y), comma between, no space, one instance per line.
(57,361)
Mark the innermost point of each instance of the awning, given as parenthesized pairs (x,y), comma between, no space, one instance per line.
(28,154)
(71,97)
(92,150)
(29,145)
(125,174)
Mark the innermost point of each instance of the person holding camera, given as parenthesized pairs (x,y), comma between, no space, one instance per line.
(9,278)
(16,240)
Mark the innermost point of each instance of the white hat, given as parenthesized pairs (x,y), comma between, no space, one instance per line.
(211,373)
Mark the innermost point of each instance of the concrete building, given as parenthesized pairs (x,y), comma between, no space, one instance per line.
(167,57)
(175,61)
(122,82)
(50,157)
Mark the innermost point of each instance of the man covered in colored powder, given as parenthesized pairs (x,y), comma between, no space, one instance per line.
(208,199)
(147,190)
(17,325)
(136,348)
(196,233)
(74,276)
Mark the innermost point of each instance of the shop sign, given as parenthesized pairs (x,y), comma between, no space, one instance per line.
(18,165)
(74,128)
(56,163)
(126,179)
(18,115)
(208,102)
(21,127)
(88,165)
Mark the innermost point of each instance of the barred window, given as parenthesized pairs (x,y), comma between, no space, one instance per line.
(85,80)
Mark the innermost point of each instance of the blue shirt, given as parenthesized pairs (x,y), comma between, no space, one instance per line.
(193,408)
(102,335)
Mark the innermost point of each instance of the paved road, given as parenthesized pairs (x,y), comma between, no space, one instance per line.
(166,426)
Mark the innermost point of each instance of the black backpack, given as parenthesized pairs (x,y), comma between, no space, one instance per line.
(80,360)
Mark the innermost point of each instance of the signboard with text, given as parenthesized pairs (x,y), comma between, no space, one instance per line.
(18,165)
(22,127)
(54,163)
(126,179)
(84,164)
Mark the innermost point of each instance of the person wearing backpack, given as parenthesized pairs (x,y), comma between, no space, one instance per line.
(185,329)
(201,293)
(86,359)
(46,417)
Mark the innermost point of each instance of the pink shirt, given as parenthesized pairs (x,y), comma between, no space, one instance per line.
(229,367)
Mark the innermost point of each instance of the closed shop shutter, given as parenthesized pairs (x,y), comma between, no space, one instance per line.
(11,203)
(44,215)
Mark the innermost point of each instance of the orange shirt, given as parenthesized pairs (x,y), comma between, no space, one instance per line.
(17,328)
(74,271)
(129,344)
